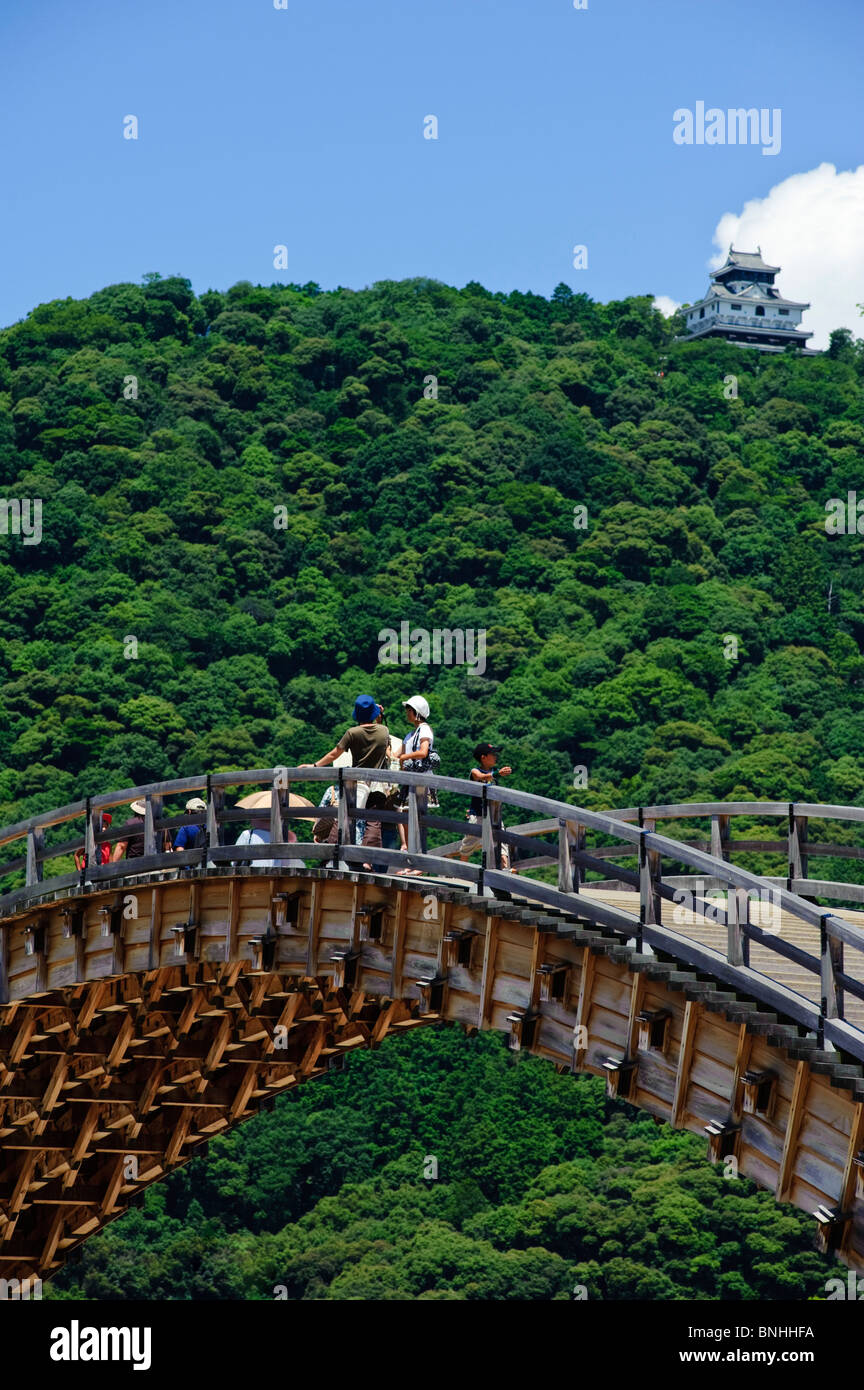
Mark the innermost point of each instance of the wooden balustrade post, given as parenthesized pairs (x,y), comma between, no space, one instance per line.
(152,813)
(565,870)
(344,824)
(35,846)
(797,841)
(92,826)
(650,876)
(577,846)
(831,965)
(413,822)
(488,837)
(737,916)
(215,807)
(278,801)
(720,837)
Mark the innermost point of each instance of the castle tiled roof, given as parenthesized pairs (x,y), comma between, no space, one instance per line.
(745,260)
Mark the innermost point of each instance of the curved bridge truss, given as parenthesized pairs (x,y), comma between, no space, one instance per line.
(150,1004)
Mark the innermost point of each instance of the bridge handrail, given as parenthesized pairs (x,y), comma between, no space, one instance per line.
(569,820)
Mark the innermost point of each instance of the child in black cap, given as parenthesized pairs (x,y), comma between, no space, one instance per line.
(485,770)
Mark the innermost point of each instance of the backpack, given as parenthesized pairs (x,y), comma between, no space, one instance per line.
(430,763)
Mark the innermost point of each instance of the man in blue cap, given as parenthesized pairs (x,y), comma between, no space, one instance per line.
(366,741)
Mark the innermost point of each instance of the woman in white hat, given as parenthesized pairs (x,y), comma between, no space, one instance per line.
(417,747)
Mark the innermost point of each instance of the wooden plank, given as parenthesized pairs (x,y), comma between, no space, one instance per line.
(793,1125)
(637,994)
(742,1062)
(4,964)
(115,1183)
(487,978)
(583,1007)
(316,900)
(52,1238)
(692,1014)
(398,950)
(856,1141)
(231,947)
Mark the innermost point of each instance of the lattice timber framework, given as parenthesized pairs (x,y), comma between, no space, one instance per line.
(150,1004)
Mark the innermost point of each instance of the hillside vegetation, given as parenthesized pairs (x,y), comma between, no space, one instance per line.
(605,644)
(543,1191)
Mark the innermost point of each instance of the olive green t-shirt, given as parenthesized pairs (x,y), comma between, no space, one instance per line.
(367,744)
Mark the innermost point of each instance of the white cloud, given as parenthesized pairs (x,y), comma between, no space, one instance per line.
(810,225)
(666,305)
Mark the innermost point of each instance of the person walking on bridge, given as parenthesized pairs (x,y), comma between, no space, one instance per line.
(485,770)
(418,755)
(367,741)
(192,836)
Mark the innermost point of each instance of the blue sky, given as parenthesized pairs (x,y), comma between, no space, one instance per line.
(304,127)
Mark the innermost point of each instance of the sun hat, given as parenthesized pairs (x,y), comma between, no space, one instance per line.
(195,803)
(419,705)
(365,709)
(138,808)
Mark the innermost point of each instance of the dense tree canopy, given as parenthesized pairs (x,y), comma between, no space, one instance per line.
(540,1189)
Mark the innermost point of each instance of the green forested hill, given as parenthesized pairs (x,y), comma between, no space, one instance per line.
(166,626)
(705,517)
(543,1191)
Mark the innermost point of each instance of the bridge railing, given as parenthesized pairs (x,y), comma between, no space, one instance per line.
(559,830)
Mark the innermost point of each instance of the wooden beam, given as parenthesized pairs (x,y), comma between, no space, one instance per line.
(178,1135)
(793,1127)
(114,1186)
(742,1061)
(55,1085)
(637,995)
(533,968)
(231,948)
(244,1092)
(487,979)
(397,956)
(315,906)
(52,1238)
(120,1046)
(583,1008)
(692,1015)
(4,965)
(850,1171)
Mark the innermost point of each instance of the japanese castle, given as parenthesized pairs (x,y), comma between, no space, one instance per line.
(744,306)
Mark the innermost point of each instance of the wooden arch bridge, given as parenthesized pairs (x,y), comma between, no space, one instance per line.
(149,1004)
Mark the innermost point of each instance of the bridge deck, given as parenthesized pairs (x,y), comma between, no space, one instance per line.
(791,930)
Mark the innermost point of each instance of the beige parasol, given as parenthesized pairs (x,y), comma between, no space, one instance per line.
(260,801)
